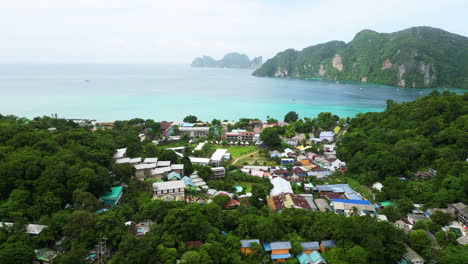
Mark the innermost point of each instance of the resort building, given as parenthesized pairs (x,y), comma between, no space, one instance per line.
(218,172)
(309,247)
(218,157)
(170,190)
(195,132)
(201,161)
(240,136)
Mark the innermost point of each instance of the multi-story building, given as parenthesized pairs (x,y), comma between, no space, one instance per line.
(461,211)
(240,136)
(218,172)
(176,189)
(195,132)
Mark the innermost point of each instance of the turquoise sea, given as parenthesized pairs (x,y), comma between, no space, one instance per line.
(170,92)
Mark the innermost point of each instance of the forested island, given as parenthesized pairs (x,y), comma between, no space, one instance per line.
(231,60)
(415,57)
(56,175)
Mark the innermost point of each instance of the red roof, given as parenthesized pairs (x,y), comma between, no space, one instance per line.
(282,201)
(165,125)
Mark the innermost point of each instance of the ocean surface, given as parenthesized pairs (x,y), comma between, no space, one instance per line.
(171,92)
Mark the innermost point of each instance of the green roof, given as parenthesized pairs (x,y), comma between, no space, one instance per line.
(113,194)
(45,254)
(387,203)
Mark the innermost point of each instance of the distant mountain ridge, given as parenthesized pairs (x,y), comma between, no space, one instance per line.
(230,60)
(414,57)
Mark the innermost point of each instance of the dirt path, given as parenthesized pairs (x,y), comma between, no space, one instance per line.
(236,160)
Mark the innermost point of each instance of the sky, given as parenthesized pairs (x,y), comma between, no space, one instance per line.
(177,31)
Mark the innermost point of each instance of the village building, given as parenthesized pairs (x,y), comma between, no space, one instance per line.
(45,256)
(200,161)
(322,205)
(327,244)
(279,250)
(310,258)
(120,153)
(411,257)
(461,211)
(246,245)
(280,186)
(327,135)
(289,200)
(143,171)
(348,206)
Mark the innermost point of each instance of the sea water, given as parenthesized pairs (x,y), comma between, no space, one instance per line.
(171,92)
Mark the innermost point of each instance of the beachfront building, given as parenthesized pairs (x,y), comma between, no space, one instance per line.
(170,190)
(113,197)
(195,132)
(240,136)
(218,157)
(218,172)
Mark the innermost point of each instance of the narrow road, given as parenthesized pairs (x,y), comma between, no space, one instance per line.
(236,160)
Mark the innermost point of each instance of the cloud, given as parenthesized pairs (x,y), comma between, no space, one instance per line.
(179,30)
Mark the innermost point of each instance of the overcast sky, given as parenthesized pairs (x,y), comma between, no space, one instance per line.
(176,31)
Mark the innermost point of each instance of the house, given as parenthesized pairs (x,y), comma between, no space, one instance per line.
(377,186)
(348,191)
(322,205)
(279,250)
(288,200)
(411,257)
(246,244)
(135,161)
(45,255)
(195,132)
(292,141)
(122,161)
(218,157)
(312,258)
(403,225)
(414,217)
(188,181)
(173,176)
(120,153)
(309,247)
(280,172)
(275,153)
(327,135)
(461,211)
(160,173)
(257,173)
(327,244)
(297,171)
(232,203)
(280,186)
(348,206)
(163,163)
(286,161)
(176,189)
(305,162)
(113,197)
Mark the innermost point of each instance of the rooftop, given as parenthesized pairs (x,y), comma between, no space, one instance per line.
(119,153)
(218,154)
(169,185)
(113,194)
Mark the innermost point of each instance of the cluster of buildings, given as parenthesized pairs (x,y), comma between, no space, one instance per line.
(280,250)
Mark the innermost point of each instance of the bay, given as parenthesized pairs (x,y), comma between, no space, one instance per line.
(171,92)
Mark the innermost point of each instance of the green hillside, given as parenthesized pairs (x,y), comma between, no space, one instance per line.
(414,57)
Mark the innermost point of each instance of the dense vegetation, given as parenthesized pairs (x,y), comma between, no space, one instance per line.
(430,132)
(230,60)
(414,57)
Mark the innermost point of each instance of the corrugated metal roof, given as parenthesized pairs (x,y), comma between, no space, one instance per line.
(247,242)
(362,202)
(280,245)
(310,245)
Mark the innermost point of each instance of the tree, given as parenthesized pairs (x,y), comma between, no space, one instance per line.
(291,117)
(272,121)
(188,169)
(270,137)
(290,131)
(441,218)
(124,172)
(216,122)
(191,119)
(221,200)
(420,241)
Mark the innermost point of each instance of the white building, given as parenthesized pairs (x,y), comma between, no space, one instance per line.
(168,188)
(218,157)
(280,186)
(120,153)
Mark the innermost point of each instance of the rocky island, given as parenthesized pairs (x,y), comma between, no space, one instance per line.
(416,57)
(231,60)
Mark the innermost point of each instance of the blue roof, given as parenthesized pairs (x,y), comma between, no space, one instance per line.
(247,242)
(352,194)
(329,243)
(280,245)
(188,125)
(266,246)
(362,202)
(316,257)
(310,245)
(238,130)
(280,256)
(188,181)
(173,175)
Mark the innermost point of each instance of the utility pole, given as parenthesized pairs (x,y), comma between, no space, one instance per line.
(102,250)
